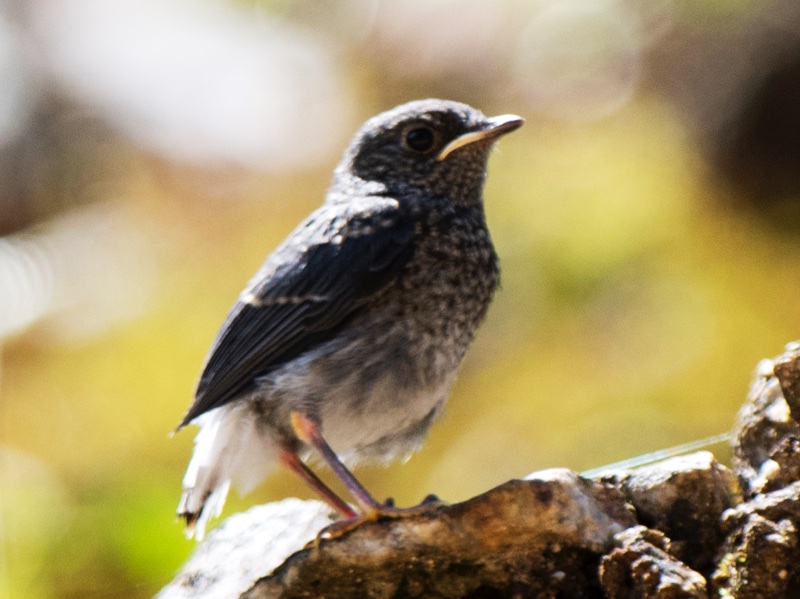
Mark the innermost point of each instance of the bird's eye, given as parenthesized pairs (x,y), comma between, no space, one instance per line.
(420,138)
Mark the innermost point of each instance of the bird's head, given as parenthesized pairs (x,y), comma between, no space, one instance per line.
(424,148)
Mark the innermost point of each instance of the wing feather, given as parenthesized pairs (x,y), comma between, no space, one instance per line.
(314,282)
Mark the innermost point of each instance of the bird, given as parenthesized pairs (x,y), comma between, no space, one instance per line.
(345,343)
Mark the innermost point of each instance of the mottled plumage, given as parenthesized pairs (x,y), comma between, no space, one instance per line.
(359,320)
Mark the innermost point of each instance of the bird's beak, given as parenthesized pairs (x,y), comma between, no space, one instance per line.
(492,128)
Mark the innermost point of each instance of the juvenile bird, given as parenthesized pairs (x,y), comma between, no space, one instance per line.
(347,340)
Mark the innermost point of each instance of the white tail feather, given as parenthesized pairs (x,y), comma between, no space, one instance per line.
(230,446)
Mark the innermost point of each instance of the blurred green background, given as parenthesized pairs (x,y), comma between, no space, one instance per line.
(153,153)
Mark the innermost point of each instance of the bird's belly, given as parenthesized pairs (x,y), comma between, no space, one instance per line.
(386,394)
(399,374)
(386,420)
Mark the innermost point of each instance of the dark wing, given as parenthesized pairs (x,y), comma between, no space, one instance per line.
(299,298)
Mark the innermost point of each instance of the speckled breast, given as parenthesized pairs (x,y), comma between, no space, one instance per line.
(448,285)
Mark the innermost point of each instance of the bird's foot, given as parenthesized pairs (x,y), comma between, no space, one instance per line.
(385,511)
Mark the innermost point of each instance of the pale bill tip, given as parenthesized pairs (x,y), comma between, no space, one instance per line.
(505,122)
(494,127)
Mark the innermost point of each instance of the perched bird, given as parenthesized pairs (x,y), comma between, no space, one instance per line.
(347,340)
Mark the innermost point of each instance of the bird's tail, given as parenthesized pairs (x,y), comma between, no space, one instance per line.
(230,446)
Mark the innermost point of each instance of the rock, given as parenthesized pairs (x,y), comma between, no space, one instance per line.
(786,368)
(245,547)
(759,561)
(540,537)
(759,558)
(641,567)
(684,497)
(767,436)
(777,505)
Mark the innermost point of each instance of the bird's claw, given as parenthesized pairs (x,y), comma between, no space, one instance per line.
(385,511)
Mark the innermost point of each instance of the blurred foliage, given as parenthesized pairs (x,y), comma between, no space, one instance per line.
(638,295)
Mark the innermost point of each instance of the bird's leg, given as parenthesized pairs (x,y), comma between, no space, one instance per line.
(295,464)
(309,433)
